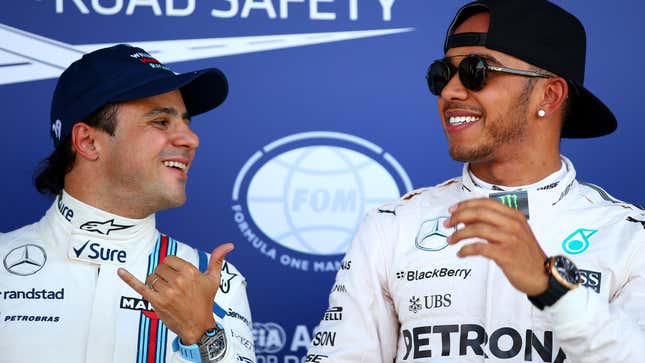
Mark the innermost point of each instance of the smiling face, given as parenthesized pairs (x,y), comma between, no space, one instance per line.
(491,123)
(146,162)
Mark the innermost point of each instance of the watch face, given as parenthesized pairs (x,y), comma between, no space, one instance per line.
(567,270)
(216,346)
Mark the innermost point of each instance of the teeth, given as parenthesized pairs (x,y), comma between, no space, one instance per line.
(175,164)
(458,120)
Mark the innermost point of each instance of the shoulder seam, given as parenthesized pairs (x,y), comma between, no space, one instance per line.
(607,197)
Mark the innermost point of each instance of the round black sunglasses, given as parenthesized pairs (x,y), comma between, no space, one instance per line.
(473,72)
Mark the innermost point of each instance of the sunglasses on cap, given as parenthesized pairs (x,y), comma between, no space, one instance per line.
(473,72)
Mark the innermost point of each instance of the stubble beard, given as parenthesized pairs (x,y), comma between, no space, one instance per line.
(150,197)
(509,127)
(165,197)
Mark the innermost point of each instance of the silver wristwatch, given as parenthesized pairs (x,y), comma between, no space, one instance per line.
(212,345)
(210,348)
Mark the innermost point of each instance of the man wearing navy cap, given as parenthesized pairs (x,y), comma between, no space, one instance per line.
(515,260)
(93,280)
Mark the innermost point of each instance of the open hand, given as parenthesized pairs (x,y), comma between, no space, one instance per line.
(181,295)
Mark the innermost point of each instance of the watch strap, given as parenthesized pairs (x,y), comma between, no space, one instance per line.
(191,352)
(550,296)
(188,352)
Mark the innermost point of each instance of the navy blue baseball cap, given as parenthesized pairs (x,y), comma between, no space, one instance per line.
(121,73)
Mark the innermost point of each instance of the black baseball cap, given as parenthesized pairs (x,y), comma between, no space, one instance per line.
(121,73)
(547,36)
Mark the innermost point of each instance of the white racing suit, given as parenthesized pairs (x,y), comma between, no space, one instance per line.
(403,295)
(62,301)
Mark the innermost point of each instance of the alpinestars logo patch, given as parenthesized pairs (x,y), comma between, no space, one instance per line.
(103,228)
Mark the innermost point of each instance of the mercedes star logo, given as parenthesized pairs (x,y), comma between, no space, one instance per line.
(432,235)
(25,260)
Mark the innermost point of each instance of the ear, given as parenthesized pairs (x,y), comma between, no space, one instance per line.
(84,141)
(555,93)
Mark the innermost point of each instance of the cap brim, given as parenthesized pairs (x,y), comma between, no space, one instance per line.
(205,92)
(588,117)
(202,90)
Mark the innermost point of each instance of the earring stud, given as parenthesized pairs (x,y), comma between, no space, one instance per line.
(541,113)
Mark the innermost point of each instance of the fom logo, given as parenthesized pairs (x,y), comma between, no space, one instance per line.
(300,199)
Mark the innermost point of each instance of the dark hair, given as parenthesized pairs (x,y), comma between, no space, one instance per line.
(568,103)
(50,175)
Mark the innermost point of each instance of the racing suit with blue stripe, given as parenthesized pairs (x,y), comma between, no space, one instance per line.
(62,301)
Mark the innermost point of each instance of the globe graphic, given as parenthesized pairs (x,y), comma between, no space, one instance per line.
(312,199)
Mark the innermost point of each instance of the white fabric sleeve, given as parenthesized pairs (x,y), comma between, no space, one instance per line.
(238,326)
(366,329)
(592,330)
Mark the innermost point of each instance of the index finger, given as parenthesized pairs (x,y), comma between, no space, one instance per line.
(485,203)
(136,284)
(477,214)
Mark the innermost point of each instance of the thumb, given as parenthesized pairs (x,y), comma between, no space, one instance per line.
(217,258)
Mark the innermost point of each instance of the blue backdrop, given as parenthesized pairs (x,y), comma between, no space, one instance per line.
(328,115)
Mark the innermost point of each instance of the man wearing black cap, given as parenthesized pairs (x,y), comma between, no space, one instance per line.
(555,269)
(71,286)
